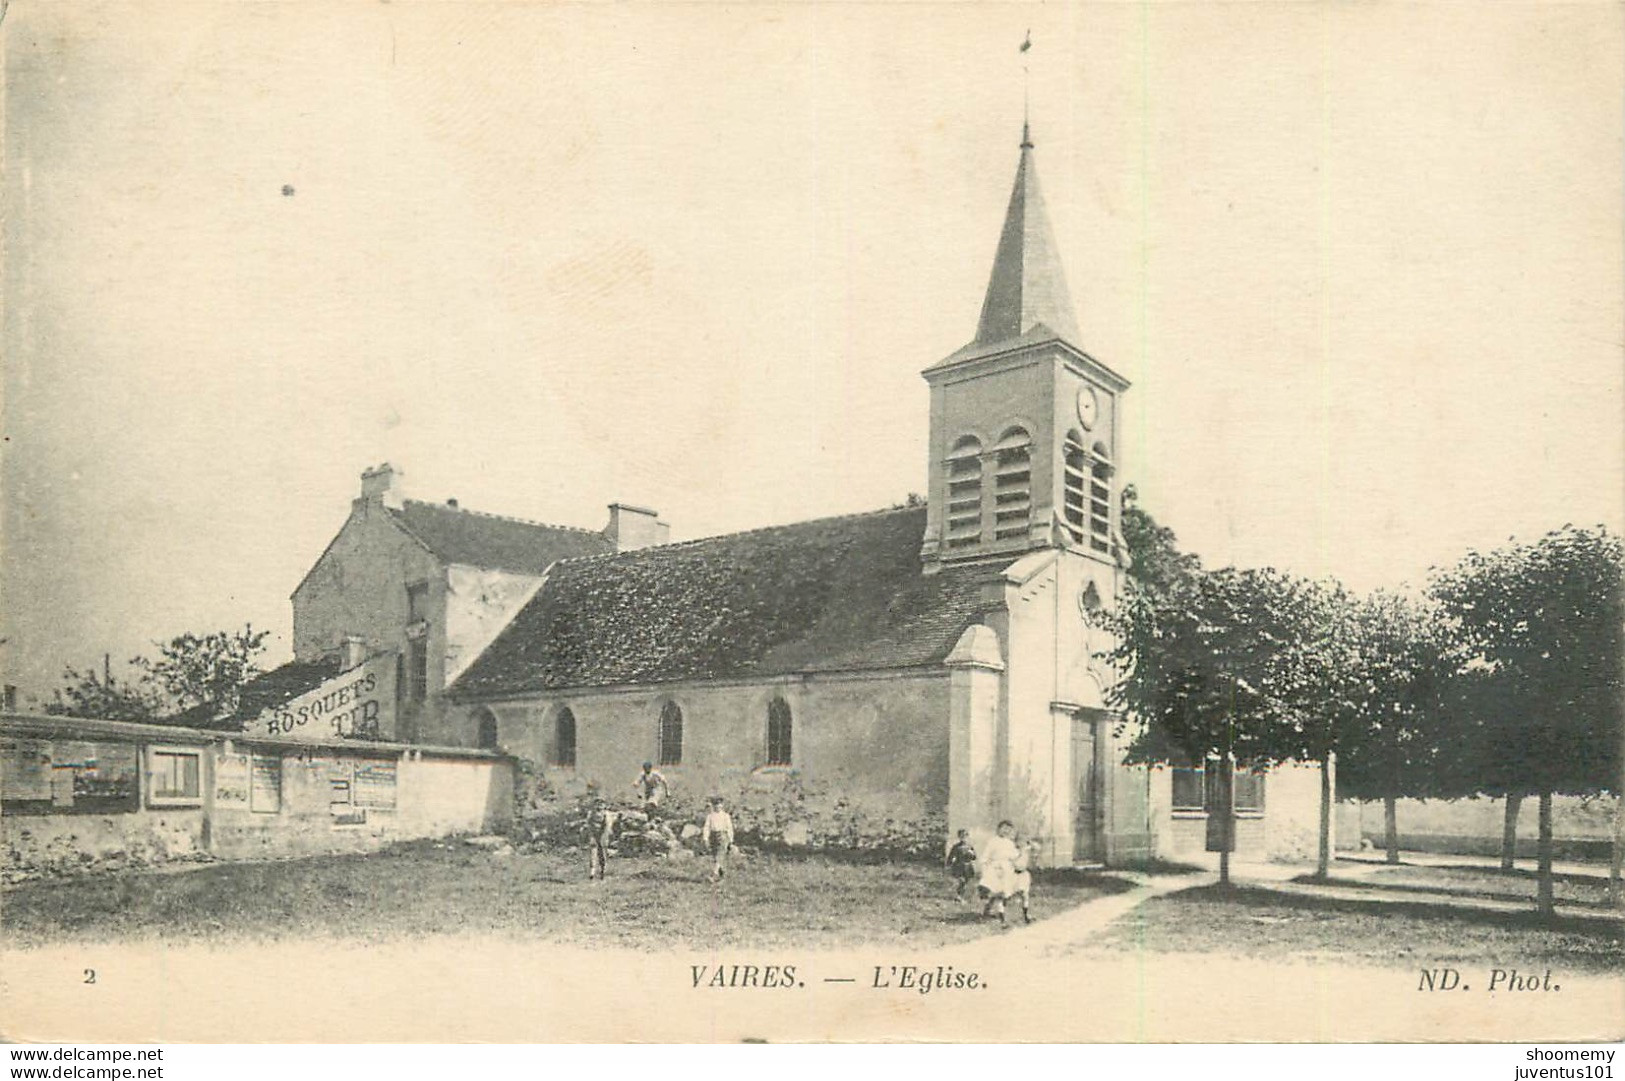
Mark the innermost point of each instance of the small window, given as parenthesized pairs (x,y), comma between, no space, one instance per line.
(417,669)
(564,738)
(1249,792)
(1190,791)
(778,733)
(1199,791)
(175,777)
(485,734)
(671,735)
(417,602)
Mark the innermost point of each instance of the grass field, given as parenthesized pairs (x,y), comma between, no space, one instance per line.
(428,888)
(1264,923)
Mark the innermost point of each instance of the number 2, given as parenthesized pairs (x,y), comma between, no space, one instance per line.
(90,975)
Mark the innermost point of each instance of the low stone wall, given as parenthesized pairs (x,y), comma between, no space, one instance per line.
(92,795)
(33,846)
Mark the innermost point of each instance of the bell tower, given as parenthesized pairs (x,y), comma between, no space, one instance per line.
(1024,424)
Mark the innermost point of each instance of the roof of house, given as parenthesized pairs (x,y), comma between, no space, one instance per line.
(493,542)
(835,594)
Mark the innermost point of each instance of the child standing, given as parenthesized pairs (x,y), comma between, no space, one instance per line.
(961,863)
(999,881)
(1024,876)
(600,831)
(717,835)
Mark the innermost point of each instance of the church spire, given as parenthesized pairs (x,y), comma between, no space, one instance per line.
(1027,287)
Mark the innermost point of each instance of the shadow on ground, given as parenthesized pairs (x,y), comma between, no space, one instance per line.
(1261,921)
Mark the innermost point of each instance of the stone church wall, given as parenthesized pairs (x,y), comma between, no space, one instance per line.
(878,742)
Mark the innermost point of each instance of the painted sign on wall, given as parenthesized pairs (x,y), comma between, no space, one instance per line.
(358,704)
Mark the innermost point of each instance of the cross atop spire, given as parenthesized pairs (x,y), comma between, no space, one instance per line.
(1028,286)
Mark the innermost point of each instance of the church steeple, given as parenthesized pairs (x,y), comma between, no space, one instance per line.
(1024,423)
(1028,286)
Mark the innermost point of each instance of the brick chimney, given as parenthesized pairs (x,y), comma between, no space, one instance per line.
(632,527)
(352,651)
(382,485)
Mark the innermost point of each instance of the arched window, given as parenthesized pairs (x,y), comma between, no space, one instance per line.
(965,492)
(671,735)
(1076,483)
(485,729)
(1012,484)
(1100,500)
(564,738)
(778,733)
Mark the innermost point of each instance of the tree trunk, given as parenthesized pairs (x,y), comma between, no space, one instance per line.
(1227,817)
(1390,808)
(1616,888)
(1544,892)
(1509,830)
(1323,865)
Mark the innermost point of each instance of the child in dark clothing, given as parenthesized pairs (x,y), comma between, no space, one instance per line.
(961,863)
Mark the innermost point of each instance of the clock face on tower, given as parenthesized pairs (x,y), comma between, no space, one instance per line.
(1088,408)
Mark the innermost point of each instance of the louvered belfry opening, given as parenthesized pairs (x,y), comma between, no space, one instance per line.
(965,493)
(1075,471)
(1012,485)
(1100,500)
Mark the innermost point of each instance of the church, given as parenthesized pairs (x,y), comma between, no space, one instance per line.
(927,662)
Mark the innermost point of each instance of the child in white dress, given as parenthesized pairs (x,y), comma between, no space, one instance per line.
(999,877)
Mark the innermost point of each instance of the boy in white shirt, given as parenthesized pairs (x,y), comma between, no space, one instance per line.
(717,835)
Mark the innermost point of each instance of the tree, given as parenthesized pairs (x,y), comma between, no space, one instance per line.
(90,693)
(1197,653)
(1391,738)
(1322,685)
(1543,626)
(205,671)
(192,672)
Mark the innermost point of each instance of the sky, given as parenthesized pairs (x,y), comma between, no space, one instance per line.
(1362,264)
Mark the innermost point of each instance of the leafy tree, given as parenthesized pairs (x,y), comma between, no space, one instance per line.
(191,672)
(205,670)
(1321,686)
(1543,627)
(1156,561)
(1198,654)
(1391,735)
(90,693)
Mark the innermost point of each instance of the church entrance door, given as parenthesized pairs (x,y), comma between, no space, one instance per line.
(1085,792)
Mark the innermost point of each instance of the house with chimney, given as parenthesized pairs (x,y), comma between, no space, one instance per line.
(428,586)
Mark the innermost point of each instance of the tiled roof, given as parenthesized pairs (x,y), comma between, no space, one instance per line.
(493,542)
(835,594)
